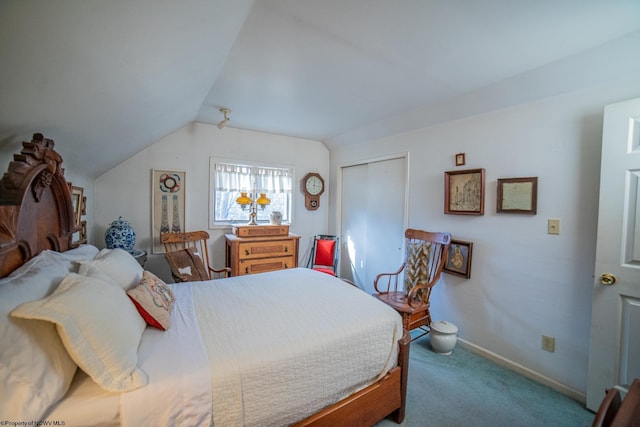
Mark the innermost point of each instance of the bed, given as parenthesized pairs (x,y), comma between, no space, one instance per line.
(294,347)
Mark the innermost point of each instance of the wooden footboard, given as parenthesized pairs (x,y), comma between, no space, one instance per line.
(372,404)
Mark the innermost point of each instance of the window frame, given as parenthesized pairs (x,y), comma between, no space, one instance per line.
(213,161)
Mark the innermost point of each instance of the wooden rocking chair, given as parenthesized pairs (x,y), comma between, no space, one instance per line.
(188,257)
(425,256)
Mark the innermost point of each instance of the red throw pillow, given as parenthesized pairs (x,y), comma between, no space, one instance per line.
(324,252)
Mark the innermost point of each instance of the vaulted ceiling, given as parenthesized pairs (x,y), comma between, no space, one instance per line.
(108,78)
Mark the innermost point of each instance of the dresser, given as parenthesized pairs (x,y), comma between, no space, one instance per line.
(257,249)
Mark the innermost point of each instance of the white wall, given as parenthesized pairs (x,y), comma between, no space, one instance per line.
(126,189)
(524,283)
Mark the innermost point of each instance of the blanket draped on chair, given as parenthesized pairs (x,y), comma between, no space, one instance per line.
(417,267)
(187,265)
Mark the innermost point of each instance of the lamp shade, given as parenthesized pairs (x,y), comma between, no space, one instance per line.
(263,200)
(243,199)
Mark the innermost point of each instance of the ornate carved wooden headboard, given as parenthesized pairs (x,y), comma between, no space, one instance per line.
(36,212)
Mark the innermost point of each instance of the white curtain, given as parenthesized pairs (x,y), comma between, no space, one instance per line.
(237,178)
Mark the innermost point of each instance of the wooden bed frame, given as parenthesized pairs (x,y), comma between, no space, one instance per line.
(36,213)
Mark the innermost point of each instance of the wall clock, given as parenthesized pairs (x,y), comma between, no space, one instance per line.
(313,187)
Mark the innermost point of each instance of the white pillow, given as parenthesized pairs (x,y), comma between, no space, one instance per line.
(118,264)
(35,368)
(81,253)
(99,326)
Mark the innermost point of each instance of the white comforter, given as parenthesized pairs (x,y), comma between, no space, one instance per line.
(281,346)
(175,360)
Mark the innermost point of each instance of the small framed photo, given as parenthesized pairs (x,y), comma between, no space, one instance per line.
(459,259)
(80,235)
(464,192)
(76,201)
(517,195)
(83,232)
(460,161)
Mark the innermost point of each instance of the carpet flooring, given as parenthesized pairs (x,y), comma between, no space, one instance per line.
(464,389)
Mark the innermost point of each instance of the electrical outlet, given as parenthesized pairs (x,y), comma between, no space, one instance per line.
(548,343)
(553,226)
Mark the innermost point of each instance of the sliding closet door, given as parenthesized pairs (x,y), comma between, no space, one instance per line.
(373,219)
(353,223)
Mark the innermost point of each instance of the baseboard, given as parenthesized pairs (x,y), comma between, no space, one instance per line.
(535,376)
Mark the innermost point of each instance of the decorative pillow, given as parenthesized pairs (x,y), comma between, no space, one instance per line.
(35,368)
(118,264)
(187,265)
(154,300)
(99,327)
(325,250)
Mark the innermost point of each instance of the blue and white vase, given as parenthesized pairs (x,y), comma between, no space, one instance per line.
(120,235)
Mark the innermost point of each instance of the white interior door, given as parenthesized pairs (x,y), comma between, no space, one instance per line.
(373,219)
(614,353)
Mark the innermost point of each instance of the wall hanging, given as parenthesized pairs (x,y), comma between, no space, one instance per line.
(459,259)
(464,192)
(167,205)
(517,195)
(79,203)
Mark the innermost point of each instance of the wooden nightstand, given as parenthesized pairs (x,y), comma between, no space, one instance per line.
(258,254)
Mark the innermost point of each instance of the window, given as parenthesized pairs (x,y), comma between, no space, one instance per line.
(229,180)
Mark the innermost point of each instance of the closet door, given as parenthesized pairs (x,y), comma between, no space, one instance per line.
(373,219)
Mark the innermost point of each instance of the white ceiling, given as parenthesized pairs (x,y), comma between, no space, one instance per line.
(108,78)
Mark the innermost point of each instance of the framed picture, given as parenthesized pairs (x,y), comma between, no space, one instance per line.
(460,161)
(76,201)
(517,195)
(464,192)
(459,259)
(167,205)
(82,234)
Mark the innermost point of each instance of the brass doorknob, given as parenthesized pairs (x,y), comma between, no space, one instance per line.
(608,279)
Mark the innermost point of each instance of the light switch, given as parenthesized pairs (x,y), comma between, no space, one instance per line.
(553,226)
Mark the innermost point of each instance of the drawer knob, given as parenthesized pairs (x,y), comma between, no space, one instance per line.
(246,270)
(286,248)
(286,265)
(246,251)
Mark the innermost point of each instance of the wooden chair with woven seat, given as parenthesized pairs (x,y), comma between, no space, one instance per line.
(188,256)
(408,294)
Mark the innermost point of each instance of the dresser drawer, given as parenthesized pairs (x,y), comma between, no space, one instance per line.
(251,266)
(272,248)
(261,231)
(249,255)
